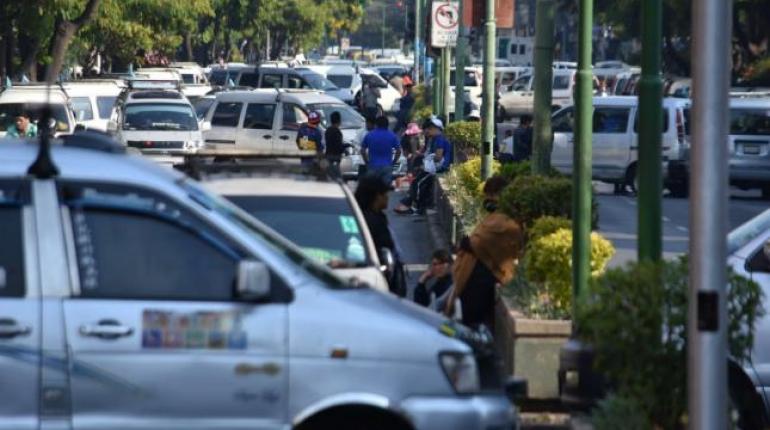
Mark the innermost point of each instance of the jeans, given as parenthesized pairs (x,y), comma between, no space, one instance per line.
(384,173)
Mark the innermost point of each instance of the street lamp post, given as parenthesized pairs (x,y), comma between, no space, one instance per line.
(488,100)
(418,26)
(543,84)
(461,47)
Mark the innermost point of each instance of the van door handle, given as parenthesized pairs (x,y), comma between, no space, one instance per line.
(9,328)
(106,329)
(267,136)
(283,137)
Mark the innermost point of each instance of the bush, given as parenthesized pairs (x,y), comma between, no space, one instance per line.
(528,198)
(421,115)
(549,263)
(546,225)
(616,412)
(523,168)
(466,137)
(636,320)
(464,187)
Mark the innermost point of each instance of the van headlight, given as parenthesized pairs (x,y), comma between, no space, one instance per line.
(461,371)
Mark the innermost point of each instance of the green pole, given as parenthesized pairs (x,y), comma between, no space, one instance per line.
(541,151)
(650,128)
(440,75)
(447,63)
(488,100)
(581,194)
(418,42)
(436,85)
(460,48)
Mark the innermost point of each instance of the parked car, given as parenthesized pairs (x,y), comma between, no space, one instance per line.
(521,99)
(748,143)
(30,99)
(345,78)
(319,215)
(615,137)
(138,296)
(283,77)
(93,101)
(156,122)
(473,86)
(388,94)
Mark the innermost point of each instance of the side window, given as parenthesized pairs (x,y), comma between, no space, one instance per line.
(82,108)
(297,82)
(259,116)
(610,120)
(665,121)
(293,117)
(131,244)
(227,114)
(272,81)
(249,79)
(563,122)
(12,249)
(760,261)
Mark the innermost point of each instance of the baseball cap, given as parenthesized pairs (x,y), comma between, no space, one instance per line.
(434,121)
(313,117)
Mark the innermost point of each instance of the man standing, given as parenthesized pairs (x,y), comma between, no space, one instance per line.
(380,150)
(334,144)
(438,145)
(370,97)
(405,108)
(309,137)
(22,127)
(522,139)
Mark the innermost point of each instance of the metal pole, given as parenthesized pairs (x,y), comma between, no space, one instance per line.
(462,46)
(446,72)
(650,128)
(581,194)
(541,151)
(707,348)
(436,90)
(488,100)
(383,32)
(417,40)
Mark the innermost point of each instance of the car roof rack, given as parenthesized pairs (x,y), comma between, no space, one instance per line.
(246,163)
(154,84)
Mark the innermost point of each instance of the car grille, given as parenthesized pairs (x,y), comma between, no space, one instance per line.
(153,144)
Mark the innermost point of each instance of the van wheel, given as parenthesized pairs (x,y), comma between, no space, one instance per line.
(766,192)
(355,418)
(745,411)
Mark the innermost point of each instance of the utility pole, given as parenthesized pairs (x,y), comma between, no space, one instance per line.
(460,48)
(707,345)
(382,53)
(488,100)
(649,169)
(418,46)
(436,90)
(446,68)
(541,151)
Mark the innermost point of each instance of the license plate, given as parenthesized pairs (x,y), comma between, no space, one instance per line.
(749,149)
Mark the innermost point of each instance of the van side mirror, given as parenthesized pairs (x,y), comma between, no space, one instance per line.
(253,280)
(205,126)
(387,261)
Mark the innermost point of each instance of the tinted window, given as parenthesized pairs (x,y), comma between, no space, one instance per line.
(522,49)
(272,81)
(665,121)
(222,77)
(12,197)
(561,82)
(522,84)
(293,117)
(249,79)
(563,121)
(316,81)
(188,78)
(227,114)
(610,120)
(105,104)
(325,228)
(131,244)
(469,81)
(202,107)
(160,116)
(750,121)
(297,82)
(341,81)
(82,108)
(259,116)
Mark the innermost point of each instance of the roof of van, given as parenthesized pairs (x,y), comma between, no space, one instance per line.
(99,87)
(264,95)
(157,96)
(33,94)
(281,185)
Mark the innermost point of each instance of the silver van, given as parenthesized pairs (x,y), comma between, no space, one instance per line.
(131,298)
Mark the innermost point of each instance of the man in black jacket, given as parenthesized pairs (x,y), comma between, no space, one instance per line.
(334,145)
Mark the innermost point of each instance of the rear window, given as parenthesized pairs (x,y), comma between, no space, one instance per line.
(82,108)
(105,104)
(561,82)
(325,228)
(341,81)
(750,122)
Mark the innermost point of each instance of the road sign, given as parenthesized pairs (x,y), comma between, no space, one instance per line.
(344,43)
(445,19)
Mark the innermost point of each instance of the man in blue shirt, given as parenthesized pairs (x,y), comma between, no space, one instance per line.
(380,149)
(438,145)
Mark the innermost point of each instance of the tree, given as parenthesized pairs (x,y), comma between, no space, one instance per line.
(64,30)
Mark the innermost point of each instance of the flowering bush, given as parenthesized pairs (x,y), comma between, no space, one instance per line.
(465,136)
(464,187)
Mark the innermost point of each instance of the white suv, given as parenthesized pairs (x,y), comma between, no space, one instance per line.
(94,100)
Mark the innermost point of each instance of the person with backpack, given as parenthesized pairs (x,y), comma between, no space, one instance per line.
(310,138)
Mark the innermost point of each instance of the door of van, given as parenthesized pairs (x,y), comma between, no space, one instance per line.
(611,141)
(20,312)
(563,124)
(292,117)
(156,334)
(225,118)
(257,130)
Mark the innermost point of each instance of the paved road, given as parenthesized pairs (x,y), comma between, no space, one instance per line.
(618,218)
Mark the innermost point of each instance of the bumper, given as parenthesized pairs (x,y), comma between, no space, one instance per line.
(460,413)
(750,171)
(676,172)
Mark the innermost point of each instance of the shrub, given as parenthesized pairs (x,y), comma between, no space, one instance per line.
(422,114)
(466,137)
(528,198)
(523,168)
(636,320)
(464,187)
(546,225)
(549,263)
(617,412)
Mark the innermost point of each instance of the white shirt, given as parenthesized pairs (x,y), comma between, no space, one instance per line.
(507,146)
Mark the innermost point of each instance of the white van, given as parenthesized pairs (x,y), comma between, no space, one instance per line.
(473,86)
(31,99)
(521,99)
(345,78)
(615,138)
(389,95)
(94,100)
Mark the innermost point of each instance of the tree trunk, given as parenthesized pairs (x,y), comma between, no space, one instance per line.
(9,38)
(64,32)
(30,47)
(188,48)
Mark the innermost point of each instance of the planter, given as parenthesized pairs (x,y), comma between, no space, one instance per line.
(530,349)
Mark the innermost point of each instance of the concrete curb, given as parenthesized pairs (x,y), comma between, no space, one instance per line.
(438,238)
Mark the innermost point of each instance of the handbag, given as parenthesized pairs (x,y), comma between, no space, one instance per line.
(429,164)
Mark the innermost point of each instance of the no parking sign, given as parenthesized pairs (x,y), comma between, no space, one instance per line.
(445,19)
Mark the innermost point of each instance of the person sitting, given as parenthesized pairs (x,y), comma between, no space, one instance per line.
(420,196)
(437,144)
(436,281)
(22,127)
(505,153)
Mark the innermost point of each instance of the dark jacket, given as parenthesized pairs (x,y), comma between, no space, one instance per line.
(437,286)
(334,145)
(378,227)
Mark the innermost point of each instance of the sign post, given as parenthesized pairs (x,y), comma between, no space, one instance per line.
(445,20)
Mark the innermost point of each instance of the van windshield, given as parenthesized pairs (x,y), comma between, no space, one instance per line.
(160,116)
(751,122)
(318,82)
(105,104)
(9,112)
(341,81)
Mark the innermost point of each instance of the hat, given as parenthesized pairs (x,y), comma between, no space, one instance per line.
(475,113)
(412,129)
(313,117)
(435,122)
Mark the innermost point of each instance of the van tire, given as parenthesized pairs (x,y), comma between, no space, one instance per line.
(747,411)
(355,417)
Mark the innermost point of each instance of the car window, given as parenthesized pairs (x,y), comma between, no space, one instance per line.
(754,122)
(249,79)
(469,81)
(665,121)
(272,81)
(507,78)
(202,107)
(293,117)
(227,114)
(82,108)
(375,80)
(341,81)
(132,244)
(564,121)
(9,111)
(325,228)
(297,82)
(12,198)
(561,82)
(159,116)
(104,105)
(610,120)
(188,78)
(522,84)
(350,119)
(760,261)
(259,116)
